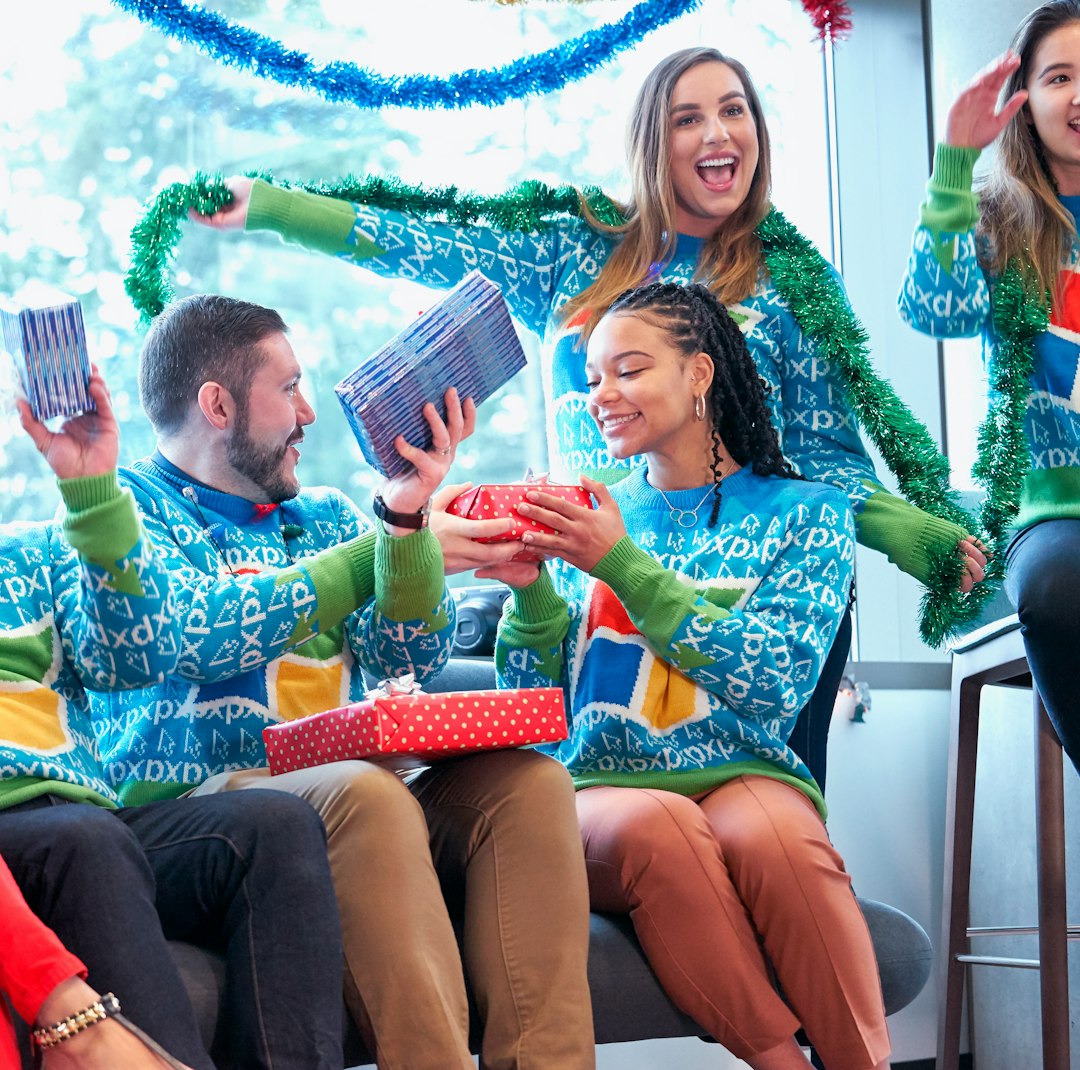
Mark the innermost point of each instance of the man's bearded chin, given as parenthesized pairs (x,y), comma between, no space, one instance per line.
(263,465)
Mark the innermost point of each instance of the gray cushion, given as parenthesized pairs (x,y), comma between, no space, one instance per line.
(628,1002)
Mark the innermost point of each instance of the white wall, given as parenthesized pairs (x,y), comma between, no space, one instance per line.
(886,796)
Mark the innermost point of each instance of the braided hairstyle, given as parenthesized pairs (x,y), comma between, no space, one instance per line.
(696,322)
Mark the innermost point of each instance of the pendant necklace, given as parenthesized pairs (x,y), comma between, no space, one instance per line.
(687,518)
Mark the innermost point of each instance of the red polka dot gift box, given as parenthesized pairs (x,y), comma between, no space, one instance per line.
(398,719)
(494,501)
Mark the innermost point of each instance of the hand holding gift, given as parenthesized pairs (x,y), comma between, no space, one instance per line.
(471,544)
(504,501)
(85,445)
(408,494)
(568,529)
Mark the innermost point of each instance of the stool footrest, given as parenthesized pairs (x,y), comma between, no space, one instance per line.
(1072,932)
(992,960)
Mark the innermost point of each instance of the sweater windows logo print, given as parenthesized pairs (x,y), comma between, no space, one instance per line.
(312,678)
(33,716)
(1057,351)
(637,685)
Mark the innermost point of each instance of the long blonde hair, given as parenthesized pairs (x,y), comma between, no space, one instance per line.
(731,259)
(1021,217)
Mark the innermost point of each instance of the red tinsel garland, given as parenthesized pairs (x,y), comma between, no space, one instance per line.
(831,19)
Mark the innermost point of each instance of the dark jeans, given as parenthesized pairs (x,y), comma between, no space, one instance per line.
(245,873)
(809,738)
(1042,578)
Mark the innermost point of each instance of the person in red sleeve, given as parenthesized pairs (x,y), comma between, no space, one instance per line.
(46,985)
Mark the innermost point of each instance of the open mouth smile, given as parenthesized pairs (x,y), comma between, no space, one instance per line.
(717,172)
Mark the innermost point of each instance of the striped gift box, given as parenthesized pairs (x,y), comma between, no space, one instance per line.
(47,342)
(466,340)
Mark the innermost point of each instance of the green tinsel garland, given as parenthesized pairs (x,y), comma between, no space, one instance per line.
(154,238)
(801,275)
(1003,451)
(525,207)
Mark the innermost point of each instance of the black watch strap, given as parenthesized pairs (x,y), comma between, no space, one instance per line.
(390,516)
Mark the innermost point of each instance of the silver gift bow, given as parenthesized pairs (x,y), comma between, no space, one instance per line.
(403,685)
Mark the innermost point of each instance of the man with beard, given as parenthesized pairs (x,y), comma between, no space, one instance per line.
(284,595)
(86,605)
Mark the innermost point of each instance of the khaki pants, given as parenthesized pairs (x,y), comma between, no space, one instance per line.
(722,885)
(499,832)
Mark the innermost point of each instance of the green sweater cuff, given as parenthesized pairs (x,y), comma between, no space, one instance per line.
(950,206)
(323,224)
(409,575)
(907,536)
(539,602)
(86,492)
(344,577)
(21,789)
(100,520)
(628,570)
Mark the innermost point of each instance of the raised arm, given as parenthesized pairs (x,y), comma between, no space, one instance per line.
(944,292)
(113,598)
(409,626)
(397,245)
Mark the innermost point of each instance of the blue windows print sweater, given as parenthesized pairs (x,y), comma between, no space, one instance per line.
(687,654)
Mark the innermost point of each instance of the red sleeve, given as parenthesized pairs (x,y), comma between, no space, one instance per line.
(32,960)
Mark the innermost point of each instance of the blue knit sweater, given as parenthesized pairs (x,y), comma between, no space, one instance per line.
(687,654)
(83,604)
(539,272)
(279,610)
(946,294)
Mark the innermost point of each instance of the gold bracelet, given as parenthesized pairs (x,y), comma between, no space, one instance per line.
(49,1036)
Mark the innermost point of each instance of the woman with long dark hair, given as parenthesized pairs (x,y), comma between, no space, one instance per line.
(995,260)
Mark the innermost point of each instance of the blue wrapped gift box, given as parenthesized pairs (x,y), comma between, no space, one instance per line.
(467,340)
(47,341)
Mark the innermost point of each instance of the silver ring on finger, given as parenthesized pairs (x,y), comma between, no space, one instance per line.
(442,451)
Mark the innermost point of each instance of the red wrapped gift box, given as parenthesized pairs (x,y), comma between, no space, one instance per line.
(429,727)
(491,501)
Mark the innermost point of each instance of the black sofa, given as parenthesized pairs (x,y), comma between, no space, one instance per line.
(628,1002)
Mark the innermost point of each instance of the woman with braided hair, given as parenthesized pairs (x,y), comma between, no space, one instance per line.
(687,619)
(700,166)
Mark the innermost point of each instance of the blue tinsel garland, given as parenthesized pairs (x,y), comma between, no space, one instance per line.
(345,82)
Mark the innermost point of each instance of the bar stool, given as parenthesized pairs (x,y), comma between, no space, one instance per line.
(995,654)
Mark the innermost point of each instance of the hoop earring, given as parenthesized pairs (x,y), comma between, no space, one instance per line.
(699,406)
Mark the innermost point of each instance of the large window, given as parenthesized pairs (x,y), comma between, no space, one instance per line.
(101,112)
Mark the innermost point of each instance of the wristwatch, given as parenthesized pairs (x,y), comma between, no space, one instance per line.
(417,520)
